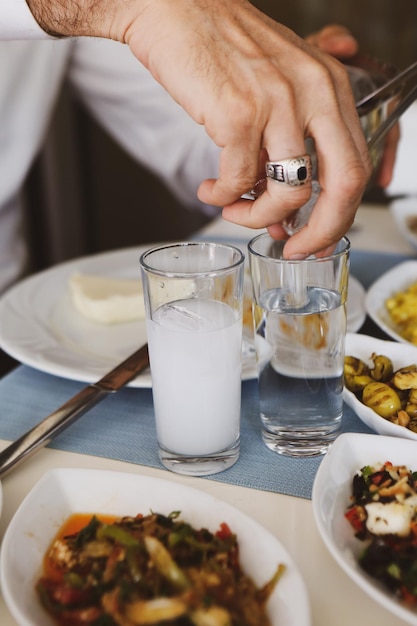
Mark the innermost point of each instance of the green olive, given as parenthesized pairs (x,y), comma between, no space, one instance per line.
(357,383)
(411,410)
(382,399)
(406,377)
(383,368)
(355,367)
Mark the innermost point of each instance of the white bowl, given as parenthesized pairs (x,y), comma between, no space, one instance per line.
(331,492)
(397,279)
(62,492)
(403,211)
(362,347)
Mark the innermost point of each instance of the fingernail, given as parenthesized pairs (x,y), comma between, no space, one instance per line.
(297,257)
(343,37)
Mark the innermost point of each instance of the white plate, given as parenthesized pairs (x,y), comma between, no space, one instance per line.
(362,347)
(331,492)
(397,279)
(40,327)
(62,492)
(402,210)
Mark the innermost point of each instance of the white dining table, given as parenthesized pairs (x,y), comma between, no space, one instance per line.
(335,600)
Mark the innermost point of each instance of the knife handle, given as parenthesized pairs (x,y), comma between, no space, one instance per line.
(41,434)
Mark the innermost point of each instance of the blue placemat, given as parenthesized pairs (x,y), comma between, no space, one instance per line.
(122,427)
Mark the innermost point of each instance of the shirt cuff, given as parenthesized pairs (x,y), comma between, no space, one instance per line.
(17,21)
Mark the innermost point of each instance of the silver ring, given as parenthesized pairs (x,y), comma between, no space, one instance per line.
(293,172)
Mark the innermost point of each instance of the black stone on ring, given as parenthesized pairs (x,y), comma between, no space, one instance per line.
(293,172)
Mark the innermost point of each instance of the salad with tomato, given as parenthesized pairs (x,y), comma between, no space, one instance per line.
(145,570)
(383,514)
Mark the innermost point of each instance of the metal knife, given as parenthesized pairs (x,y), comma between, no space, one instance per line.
(43,433)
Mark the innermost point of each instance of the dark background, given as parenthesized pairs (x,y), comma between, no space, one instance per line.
(386,29)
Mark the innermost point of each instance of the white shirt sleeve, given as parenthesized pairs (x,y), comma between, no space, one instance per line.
(17,22)
(140,115)
(31,74)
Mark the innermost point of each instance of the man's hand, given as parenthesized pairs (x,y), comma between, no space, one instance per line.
(335,40)
(258,89)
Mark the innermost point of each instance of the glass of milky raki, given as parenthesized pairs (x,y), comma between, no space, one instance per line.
(194,300)
(299,314)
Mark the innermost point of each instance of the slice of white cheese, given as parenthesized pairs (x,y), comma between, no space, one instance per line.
(107,300)
(391,518)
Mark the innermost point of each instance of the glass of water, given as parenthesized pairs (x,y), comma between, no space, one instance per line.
(299,312)
(194,300)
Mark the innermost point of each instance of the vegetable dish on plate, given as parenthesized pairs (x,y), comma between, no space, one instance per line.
(383,514)
(391,394)
(402,309)
(389,307)
(152,569)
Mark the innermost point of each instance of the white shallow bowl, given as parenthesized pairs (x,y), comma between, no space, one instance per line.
(331,493)
(362,347)
(62,492)
(397,279)
(402,211)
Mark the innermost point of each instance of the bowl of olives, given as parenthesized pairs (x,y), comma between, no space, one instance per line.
(381,384)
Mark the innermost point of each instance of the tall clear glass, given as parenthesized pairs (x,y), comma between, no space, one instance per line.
(300,327)
(194,300)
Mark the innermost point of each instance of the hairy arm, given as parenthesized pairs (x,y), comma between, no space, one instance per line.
(75,18)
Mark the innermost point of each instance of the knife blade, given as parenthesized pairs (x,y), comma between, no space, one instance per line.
(52,425)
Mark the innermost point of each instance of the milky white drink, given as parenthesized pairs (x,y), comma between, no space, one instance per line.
(195,348)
